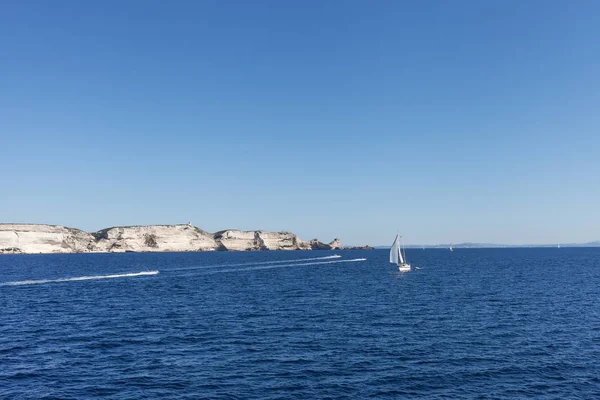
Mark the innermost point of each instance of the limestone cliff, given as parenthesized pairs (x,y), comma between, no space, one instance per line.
(335,244)
(33,238)
(316,244)
(259,240)
(30,238)
(282,241)
(366,247)
(154,238)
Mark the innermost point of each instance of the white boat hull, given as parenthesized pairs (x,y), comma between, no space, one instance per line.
(404,267)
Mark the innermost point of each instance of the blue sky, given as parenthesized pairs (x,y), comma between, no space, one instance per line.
(446,121)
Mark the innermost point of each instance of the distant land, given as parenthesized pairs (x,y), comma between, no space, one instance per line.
(45,239)
(470,245)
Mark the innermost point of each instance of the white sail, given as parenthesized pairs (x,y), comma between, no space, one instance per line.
(400,256)
(395,254)
(394,251)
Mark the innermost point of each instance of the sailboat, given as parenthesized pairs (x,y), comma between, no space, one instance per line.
(558,246)
(451,249)
(397,257)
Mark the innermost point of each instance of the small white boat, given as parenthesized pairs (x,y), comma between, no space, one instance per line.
(396,256)
(558,246)
(451,249)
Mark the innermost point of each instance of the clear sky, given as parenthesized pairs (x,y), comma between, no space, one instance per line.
(448,121)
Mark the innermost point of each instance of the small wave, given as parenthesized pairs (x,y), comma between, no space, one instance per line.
(256,263)
(287,265)
(78,278)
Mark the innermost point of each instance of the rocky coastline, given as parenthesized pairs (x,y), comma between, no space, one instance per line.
(46,239)
(367,247)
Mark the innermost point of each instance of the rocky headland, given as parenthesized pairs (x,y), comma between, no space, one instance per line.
(367,247)
(35,239)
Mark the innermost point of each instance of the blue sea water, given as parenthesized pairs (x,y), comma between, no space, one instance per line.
(473,323)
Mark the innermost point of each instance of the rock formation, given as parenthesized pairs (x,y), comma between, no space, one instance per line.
(154,238)
(316,244)
(30,238)
(335,244)
(367,247)
(259,240)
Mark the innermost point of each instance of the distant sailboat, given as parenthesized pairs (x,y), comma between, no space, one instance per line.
(451,249)
(558,246)
(397,257)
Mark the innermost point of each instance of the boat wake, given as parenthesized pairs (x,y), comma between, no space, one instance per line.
(78,278)
(286,265)
(259,265)
(255,263)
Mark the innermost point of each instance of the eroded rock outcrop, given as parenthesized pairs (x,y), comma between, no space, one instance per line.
(366,247)
(335,244)
(283,241)
(232,239)
(316,244)
(154,238)
(259,240)
(34,238)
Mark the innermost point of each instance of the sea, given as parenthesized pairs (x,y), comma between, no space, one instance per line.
(469,324)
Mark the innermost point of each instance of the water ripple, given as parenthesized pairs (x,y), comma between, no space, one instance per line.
(503,323)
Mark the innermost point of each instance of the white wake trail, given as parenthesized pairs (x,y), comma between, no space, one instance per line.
(255,263)
(286,266)
(78,278)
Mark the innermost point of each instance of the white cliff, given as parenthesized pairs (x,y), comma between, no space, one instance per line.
(335,244)
(282,241)
(316,244)
(237,240)
(154,238)
(33,238)
(259,240)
